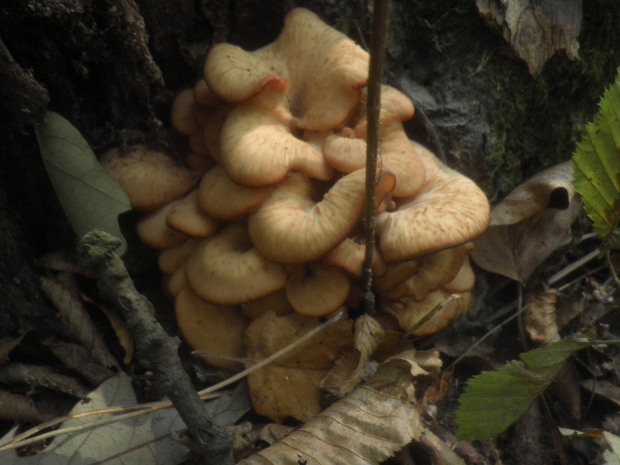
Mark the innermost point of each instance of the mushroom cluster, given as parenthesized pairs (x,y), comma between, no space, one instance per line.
(274,223)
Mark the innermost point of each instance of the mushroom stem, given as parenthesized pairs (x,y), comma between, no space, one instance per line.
(377,54)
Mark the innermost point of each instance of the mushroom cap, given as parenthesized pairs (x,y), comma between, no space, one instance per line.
(225,269)
(172,258)
(325,68)
(186,116)
(395,107)
(276,302)
(314,290)
(290,227)
(204,96)
(257,147)
(464,280)
(397,156)
(186,217)
(449,210)
(395,274)
(235,75)
(433,272)
(349,256)
(213,129)
(150,178)
(221,198)
(176,282)
(199,162)
(153,230)
(211,328)
(408,312)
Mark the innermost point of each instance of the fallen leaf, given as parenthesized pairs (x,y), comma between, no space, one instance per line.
(612,457)
(364,428)
(603,388)
(90,198)
(146,439)
(529,224)
(67,300)
(536,30)
(368,335)
(291,385)
(19,409)
(123,335)
(540,321)
(7,344)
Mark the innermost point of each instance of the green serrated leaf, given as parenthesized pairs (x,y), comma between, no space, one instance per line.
(90,198)
(597,164)
(492,401)
(557,352)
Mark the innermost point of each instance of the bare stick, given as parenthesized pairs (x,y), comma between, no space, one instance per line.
(96,251)
(377,54)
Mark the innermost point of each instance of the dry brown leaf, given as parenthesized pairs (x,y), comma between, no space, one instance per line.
(125,339)
(291,386)
(529,224)
(603,388)
(66,299)
(540,319)
(368,336)
(536,30)
(17,408)
(364,428)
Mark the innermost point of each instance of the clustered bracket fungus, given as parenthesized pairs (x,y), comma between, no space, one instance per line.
(275,222)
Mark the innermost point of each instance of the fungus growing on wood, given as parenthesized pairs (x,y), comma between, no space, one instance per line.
(279,137)
(226,269)
(150,178)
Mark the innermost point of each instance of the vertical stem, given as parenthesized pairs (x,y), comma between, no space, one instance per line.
(377,54)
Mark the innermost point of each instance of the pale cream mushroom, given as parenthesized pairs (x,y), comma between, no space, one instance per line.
(225,269)
(186,217)
(153,230)
(326,70)
(223,199)
(449,210)
(292,227)
(211,328)
(409,312)
(315,290)
(258,147)
(150,178)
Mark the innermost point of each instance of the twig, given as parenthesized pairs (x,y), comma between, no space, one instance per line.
(145,409)
(96,251)
(283,351)
(378,40)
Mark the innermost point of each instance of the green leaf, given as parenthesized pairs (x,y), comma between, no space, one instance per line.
(493,401)
(90,198)
(597,164)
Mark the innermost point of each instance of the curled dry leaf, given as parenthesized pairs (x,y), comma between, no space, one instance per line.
(529,224)
(72,311)
(368,336)
(291,385)
(366,427)
(125,339)
(540,317)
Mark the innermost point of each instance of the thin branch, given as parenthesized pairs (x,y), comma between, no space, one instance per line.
(96,251)
(378,40)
